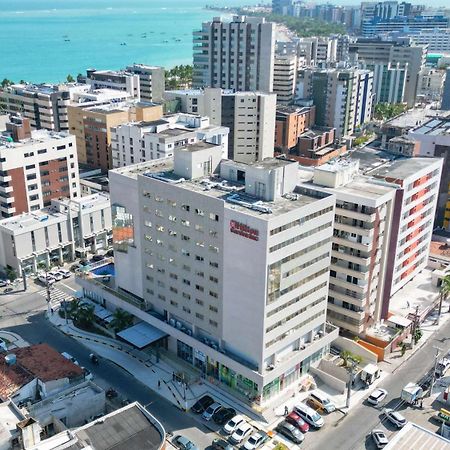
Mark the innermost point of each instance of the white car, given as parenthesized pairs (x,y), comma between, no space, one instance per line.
(380,438)
(395,417)
(46,279)
(377,396)
(56,275)
(241,432)
(87,374)
(232,424)
(65,273)
(211,410)
(256,440)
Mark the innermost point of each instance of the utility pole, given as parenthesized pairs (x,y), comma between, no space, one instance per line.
(433,376)
(47,286)
(441,298)
(351,376)
(416,319)
(24,277)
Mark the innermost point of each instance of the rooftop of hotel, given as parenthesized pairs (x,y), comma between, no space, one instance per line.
(31,220)
(232,193)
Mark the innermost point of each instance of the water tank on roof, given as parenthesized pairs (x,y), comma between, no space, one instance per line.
(10,359)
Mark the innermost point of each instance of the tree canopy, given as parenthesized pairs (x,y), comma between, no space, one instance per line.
(386,111)
(179,77)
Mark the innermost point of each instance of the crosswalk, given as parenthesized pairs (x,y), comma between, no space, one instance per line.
(56,296)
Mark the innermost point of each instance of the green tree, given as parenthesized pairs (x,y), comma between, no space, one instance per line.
(386,111)
(418,335)
(84,315)
(6,82)
(121,320)
(70,78)
(11,274)
(349,356)
(403,348)
(445,288)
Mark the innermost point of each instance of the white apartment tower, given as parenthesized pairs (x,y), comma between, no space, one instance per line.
(235,55)
(234,265)
(285,77)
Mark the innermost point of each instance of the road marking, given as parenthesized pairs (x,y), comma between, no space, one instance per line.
(56,296)
(68,287)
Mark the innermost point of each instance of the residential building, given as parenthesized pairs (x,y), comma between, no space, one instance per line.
(142,141)
(431,84)
(57,234)
(291,123)
(445,104)
(10,417)
(120,80)
(236,55)
(224,247)
(35,167)
(91,124)
(317,51)
(282,7)
(131,426)
(399,54)
(389,82)
(363,218)
(343,97)
(404,145)
(285,77)
(151,81)
(35,372)
(437,40)
(376,26)
(45,105)
(250,117)
(417,182)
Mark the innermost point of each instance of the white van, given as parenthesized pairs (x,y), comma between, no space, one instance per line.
(309,415)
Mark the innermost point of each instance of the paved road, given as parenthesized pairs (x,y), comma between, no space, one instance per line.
(25,314)
(352,431)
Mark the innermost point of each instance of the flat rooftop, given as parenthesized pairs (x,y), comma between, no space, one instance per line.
(402,168)
(414,436)
(10,416)
(434,127)
(412,118)
(37,136)
(233,194)
(31,220)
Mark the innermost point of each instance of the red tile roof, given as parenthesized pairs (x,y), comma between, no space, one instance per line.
(36,361)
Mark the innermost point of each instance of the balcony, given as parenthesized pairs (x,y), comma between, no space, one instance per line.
(369,216)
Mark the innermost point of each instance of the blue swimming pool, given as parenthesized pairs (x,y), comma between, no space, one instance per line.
(107,269)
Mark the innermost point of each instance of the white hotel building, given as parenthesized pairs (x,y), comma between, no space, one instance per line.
(226,261)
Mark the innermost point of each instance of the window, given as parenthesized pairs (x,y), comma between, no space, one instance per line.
(214,279)
(213,323)
(199,316)
(214,264)
(186,282)
(174,303)
(199,288)
(199,258)
(199,212)
(214,217)
(213,308)
(185,207)
(213,294)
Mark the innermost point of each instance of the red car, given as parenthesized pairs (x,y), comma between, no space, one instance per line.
(294,419)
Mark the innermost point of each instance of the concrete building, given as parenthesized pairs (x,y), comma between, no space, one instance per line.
(151,81)
(389,82)
(291,123)
(236,55)
(225,247)
(285,77)
(445,104)
(250,117)
(10,418)
(35,167)
(401,54)
(343,97)
(56,234)
(91,124)
(431,85)
(417,180)
(364,209)
(142,141)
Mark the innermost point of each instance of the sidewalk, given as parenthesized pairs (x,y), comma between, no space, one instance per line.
(13,340)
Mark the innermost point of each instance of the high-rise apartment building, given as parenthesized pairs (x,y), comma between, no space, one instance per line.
(235,55)
(389,82)
(136,142)
(343,97)
(225,247)
(151,81)
(285,77)
(400,54)
(35,167)
(250,117)
(91,124)
(445,102)
(364,214)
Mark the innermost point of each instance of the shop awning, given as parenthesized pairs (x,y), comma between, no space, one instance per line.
(141,335)
(100,312)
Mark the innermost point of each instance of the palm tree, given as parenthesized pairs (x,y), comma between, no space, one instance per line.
(121,320)
(444,291)
(85,314)
(73,307)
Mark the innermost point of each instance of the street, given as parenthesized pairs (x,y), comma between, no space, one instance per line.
(24,314)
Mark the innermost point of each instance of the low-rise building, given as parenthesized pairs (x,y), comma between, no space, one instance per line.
(56,234)
(35,167)
(136,142)
(10,418)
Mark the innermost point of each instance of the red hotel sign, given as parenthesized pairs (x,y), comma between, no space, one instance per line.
(244,230)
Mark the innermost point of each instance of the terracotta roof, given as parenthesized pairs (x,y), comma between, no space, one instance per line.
(440,249)
(36,361)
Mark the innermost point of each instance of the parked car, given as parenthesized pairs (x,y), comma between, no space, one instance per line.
(97,258)
(318,400)
(4,283)
(56,275)
(202,404)
(309,415)
(290,431)
(8,289)
(256,440)
(220,444)
(211,410)
(294,419)
(240,433)
(380,438)
(110,253)
(74,267)
(377,396)
(395,417)
(232,424)
(184,443)
(224,415)
(64,272)
(46,279)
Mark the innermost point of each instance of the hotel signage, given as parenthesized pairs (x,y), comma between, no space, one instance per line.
(244,230)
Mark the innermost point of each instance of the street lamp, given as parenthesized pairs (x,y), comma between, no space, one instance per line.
(433,376)
(351,378)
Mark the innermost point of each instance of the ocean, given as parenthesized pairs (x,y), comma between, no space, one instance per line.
(45,40)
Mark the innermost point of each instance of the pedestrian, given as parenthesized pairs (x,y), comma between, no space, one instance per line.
(159,384)
(421,403)
(51,310)
(173,376)
(286,410)
(407,304)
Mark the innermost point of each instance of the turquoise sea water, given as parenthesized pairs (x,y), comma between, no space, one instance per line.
(44,40)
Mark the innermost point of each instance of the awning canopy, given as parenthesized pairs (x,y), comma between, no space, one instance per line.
(399,320)
(100,312)
(141,335)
